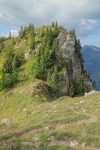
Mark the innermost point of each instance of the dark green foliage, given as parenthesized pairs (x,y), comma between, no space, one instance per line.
(7,80)
(52,80)
(25,30)
(78,48)
(10,79)
(46,56)
(32,45)
(2,39)
(39,68)
(21,32)
(78,53)
(72,33)
(12,61)
(8,71)
(79,87)
(1,46)
(94,83)
(29,29)
(2,75)
(46,59)
(17,61)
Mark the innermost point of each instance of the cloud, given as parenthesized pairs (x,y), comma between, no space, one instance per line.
(83,15)
(87,26)
(1,15)
(14,33)
(89,23)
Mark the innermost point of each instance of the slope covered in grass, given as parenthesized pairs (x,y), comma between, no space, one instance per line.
(64,123)
(29,98)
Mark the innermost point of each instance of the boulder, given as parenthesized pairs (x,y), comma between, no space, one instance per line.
(7,122)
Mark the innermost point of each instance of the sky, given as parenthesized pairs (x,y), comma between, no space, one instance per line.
(81,15)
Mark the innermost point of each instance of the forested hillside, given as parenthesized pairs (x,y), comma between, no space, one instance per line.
(49,54)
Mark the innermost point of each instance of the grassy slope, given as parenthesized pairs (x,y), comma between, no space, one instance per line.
(48,125)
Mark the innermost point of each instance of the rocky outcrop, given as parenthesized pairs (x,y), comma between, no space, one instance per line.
(73,79)
(61,65)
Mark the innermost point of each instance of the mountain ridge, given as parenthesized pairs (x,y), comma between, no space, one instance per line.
(55,53)
(91,55)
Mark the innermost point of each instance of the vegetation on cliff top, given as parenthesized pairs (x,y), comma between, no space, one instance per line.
(39,48)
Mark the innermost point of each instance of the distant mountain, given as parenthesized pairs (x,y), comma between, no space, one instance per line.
(91,56)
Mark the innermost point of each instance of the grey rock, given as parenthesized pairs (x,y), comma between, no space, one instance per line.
(73,66)
(7,122)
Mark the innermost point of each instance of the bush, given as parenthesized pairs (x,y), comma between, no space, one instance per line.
(7,80)
(79,87)
(8,71)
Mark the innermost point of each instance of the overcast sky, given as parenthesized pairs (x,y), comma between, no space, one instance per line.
(83,15)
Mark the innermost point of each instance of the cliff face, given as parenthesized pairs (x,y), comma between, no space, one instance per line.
(73,79)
